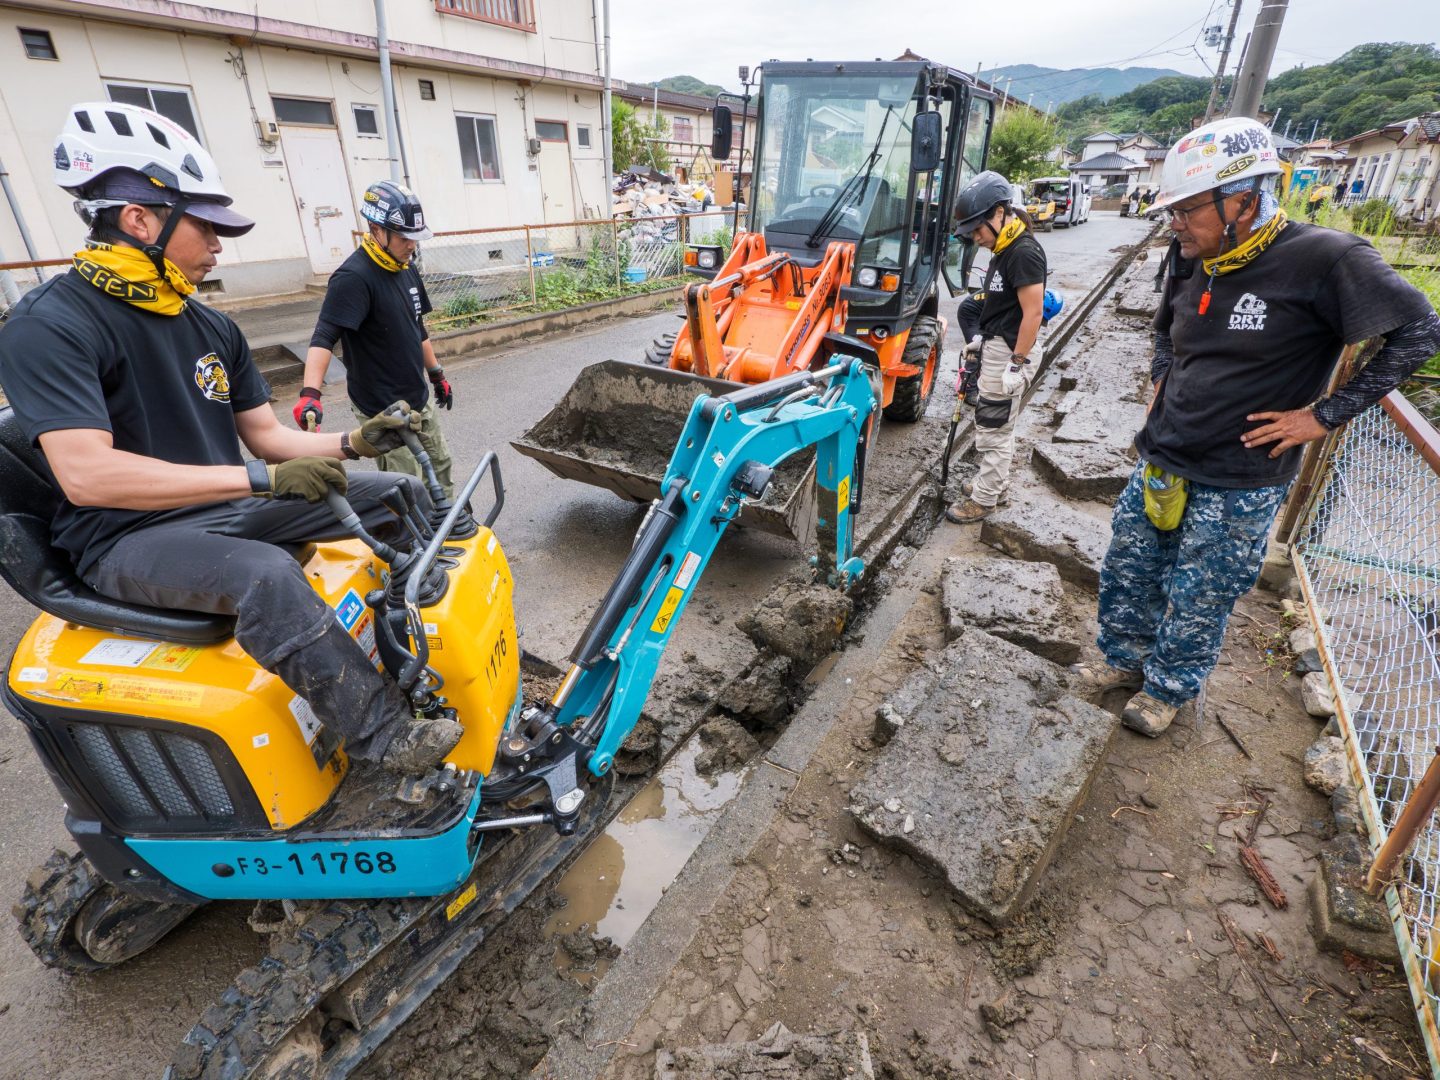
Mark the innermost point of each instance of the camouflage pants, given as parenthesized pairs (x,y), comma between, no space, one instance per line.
(431,438)
(1165,597)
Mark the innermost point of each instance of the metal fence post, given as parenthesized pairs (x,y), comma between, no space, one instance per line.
(615,248)
(530,261)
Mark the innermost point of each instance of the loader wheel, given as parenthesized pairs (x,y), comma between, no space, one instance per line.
(912,393)
(659,351)
(76,921)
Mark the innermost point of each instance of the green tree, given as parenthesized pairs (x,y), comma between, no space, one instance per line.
(629,135)
(1019,144)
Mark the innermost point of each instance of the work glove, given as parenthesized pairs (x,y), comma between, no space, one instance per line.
(1016,376)
(307,478)
(974,345)
(308,411)
(381,433)
(444,396)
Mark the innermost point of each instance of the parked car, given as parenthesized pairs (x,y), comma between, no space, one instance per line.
(1067,194)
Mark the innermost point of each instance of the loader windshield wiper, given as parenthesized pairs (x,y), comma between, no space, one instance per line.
(851,186)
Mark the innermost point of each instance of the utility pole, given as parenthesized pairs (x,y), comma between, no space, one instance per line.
(387,97)
(1255,70)
(607,137)
(1224,57)
(1314,128)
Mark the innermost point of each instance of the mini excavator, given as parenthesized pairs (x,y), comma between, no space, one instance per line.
(192,776)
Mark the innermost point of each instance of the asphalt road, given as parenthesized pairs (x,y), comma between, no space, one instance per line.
(564,541)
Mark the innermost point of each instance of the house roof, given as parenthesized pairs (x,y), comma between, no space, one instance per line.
(1156,153)
(1103,136)
(1105,163)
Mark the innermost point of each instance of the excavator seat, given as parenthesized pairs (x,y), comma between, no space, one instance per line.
(43,574)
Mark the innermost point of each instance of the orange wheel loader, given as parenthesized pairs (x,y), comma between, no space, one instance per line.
(856,167)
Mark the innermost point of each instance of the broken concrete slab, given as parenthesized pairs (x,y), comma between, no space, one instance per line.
(726,745)
(1022,602)
(1099,417)
(1047,530)
(1343,916)
(779,1054)
(799,620)
(762,694)
(993,760)
(1137,297)
(1084,470)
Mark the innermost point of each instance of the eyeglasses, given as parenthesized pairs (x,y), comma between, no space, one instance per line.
(1182,215)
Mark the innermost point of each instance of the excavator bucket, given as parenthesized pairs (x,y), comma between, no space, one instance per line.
(618,425)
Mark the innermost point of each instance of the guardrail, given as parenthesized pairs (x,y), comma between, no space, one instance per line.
(18,278)
(1367,553)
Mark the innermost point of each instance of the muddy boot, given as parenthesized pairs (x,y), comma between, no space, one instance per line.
(1148,715)
(421,746)
(967,488)
(1097,678)
(968,512)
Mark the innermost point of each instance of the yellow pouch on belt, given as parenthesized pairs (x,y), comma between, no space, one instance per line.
(1165,495)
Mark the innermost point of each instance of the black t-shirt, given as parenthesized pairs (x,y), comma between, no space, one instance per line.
(380,316)
(164,386)
(1268,343)
(1021,263)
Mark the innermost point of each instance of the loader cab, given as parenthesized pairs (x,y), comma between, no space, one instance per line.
(871,154)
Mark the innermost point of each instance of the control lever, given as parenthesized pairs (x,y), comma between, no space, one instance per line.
(412,507)
(397,504)
(427,468)
(341,508)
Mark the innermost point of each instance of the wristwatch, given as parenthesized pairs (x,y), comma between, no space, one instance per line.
(258,474)
(1017,358)
(346,450)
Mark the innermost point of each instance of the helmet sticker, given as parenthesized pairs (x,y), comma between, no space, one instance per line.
(1237,166)
(62,159)
(212,378)
(370,196)
(1209,151)
(1239,142)
(1195,140)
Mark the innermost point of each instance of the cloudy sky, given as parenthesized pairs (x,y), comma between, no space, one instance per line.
(652,40)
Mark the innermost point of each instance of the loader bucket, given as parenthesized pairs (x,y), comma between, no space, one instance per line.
(617,427)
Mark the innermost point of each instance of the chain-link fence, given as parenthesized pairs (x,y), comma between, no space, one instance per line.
(1368,556)
(483,274)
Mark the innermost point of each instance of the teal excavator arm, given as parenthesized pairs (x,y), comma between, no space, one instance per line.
(725,458)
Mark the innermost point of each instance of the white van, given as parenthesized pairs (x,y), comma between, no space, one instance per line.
(1072,201)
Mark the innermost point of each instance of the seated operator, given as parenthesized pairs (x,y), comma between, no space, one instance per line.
(139,397)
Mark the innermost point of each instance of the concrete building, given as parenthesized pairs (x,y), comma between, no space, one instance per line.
(499,109)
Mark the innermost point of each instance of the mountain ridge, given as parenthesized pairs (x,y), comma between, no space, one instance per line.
(1070,84)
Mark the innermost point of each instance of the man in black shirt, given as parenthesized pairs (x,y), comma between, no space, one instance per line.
(375,305)
(1009,324)
(139,397)
(1254,313)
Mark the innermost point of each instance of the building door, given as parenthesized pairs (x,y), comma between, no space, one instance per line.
(556,177)
(322,193)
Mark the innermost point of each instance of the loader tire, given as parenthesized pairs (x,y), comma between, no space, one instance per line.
(659,350)
(912,393)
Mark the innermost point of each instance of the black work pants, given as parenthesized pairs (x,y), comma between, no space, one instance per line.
(223,558)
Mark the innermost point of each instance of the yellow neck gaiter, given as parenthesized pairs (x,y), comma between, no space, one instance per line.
(381,257)
(1009,233)
(1246,253)
(127,274)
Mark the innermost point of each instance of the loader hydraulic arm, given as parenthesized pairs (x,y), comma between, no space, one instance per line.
(726,456)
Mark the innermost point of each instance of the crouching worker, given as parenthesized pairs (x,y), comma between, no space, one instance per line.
(139,397)
(1254,311)
(375,306)
(1009,324)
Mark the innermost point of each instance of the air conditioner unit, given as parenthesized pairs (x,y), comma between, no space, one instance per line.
(533,145)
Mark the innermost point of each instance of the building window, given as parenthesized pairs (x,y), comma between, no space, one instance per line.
(367,122)
(683,129)
(582,136)
(38,45)
(551,131)
(289,110)
(168,102)
(427,90)
(479,158)
(519,14)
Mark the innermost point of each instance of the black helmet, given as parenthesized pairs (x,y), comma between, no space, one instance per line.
(395,207)
(976,199)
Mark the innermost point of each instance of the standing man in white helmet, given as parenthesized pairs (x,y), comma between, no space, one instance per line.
(139,397)
(375,305)
(1254,313)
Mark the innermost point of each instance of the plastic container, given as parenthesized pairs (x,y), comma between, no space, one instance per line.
(634,275)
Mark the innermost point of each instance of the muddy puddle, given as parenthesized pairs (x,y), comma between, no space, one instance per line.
(616,883)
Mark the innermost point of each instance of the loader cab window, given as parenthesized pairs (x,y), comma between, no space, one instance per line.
(977,137)
(835,157)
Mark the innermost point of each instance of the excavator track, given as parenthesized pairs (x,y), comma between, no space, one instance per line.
(340,980)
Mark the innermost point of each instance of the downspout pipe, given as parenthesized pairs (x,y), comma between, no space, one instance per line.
(605,120)
(398,172)
(25,237)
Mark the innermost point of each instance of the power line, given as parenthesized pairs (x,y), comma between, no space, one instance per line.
(1154,50)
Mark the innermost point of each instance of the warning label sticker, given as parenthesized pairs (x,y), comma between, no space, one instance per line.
(119,652)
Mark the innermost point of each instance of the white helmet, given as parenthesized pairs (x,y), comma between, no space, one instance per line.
(110,154)
(1236,148)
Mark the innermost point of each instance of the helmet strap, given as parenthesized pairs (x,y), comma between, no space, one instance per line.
(155,250)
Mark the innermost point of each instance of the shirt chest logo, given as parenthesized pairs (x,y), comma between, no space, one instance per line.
(212,379)
(415,301)
(997,283)
(1249,313)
